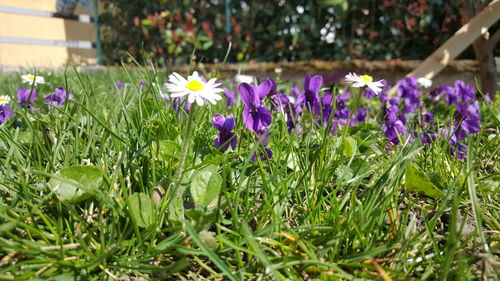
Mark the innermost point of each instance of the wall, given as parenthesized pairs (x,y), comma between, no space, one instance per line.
(32,36)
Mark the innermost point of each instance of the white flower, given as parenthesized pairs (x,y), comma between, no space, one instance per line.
(364,81)
(32,79)
(4,100)
(240,78)
(424,82)
(196,89)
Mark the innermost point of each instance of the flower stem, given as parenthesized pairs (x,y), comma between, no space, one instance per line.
(175,204)
(356,95)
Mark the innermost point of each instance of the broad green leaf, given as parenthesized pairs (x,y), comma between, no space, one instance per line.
(349,146)
(292,162)
(140,206)
(168,149)
(74,183)
(205,185)
(208,237)
(418,181)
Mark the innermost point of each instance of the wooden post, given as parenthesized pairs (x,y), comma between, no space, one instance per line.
(463,38)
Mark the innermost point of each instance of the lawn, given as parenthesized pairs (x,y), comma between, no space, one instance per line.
(119,180)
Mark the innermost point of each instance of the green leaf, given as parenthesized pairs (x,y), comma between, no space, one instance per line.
(418,181)
(210,253)
(76,182)
(205,185)
(349,146)
(140,206)
(292,162)
(168,149)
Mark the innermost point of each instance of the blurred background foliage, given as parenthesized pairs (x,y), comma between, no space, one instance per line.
(167,31)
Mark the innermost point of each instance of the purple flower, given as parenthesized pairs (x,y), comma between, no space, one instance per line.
(141,85)
(326,107)
(393,130)
(470,125)
(450,94)
(231,98)
(58,97)
(310,97)
(341,113)
(5,113)
(428,117)
(409,92)
(225,137)
(284,104)
(263,138)
(359,117)
(459,150)
(26,97)
(118,85)
(295,92)
(488,99)
(428,138)
(464,91)
(255,115)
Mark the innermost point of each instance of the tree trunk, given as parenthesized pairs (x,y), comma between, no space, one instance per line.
(483,48)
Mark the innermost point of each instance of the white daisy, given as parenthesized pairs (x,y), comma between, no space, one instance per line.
(240,78)
(194,87)
(32,79)
(424,82)
(4,100)
(364,81)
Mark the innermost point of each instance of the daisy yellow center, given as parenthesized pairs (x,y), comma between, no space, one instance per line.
(366,78)
(31,77)
(195,86)
(3,99)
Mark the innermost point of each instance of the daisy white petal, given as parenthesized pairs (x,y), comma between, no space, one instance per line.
(4,100)
(195,87)
(424,82)
(199,101)
(32,79)
(364,81)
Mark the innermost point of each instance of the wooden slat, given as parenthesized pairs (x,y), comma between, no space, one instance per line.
(45,28)
(46,5)
(463,38)
(40,56)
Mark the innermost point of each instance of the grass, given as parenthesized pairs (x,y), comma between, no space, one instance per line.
(324,207)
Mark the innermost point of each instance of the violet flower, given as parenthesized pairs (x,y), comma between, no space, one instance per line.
(263,138)
(58,98)
(392,130)
(464,91)
(5,113)
(26,97)
(118,85)
(255,114)
(341,113)
(459,150)
(427,138)
(141,85)
(310,97)
(225,125)
(409,92)
(428,117)
(231,98)
(359,117)
(326,107)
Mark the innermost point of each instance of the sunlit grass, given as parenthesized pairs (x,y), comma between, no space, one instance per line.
(325,206)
